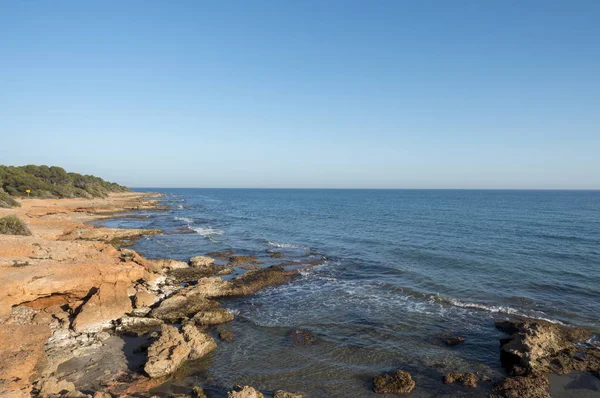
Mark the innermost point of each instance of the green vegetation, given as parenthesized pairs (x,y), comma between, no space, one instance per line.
(50,182)
(11,225)
(6,200)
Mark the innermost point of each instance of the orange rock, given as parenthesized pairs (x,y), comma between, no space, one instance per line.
(110,302)
(21,348)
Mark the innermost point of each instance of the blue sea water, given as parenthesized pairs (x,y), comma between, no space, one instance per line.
(402,266)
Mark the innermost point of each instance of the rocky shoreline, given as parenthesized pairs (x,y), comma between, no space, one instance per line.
(82,315)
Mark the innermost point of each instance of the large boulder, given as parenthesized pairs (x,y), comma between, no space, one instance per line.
(144,299)
(110,302)
(398,383)
(174,347)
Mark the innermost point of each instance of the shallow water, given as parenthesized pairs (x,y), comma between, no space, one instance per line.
(402,267)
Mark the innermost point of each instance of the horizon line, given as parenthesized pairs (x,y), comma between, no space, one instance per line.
(385,189)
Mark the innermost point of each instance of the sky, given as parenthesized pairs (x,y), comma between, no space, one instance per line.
(307,94)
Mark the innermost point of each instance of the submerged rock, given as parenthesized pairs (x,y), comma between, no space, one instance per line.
(227,336)
(173,347)
(399,383)
(301,337)
(467,379)
(285,394)
(241,260)
(213,316)
(244,392)
(110,302)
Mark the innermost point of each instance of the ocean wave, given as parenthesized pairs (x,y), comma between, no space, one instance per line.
(208,232)
(184,219)
(499,309)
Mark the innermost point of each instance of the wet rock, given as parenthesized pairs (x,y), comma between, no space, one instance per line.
(301,337)
(213,316)
(533,386)
(241,260)
(181,306)
(285,394)
(173,347)
(467,379)
(227,335)
(110,302)
(222,255)
(252,281)
(448,339)
(200,343)
(536,346)
(399,383)
(135,326)
(244,392)
(275,254)
(198,392)
(201,261)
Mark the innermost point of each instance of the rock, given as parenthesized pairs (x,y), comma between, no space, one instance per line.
(285,394)
(448,339)
(227,336)
(275,254)
(169,264)
(399,383)
(200,343)
(198,392)
(213,316)
(102,394)
(201,261)
(138,326)
(538,346)
(252,281)
(533,386)
(301,337)
(467,379)
(181,306)
(241,260)
(52,387)
(144,299)
(244,392)
(22,348)
(173,347)
(110,302)
(167,353)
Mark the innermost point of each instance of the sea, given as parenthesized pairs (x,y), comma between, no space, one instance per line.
(394,271)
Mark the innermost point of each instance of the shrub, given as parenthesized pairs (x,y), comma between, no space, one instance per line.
(11,225)
(6,200)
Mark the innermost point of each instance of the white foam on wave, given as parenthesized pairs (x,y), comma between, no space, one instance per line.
(500,309)
(286,245)
(207,231)
(184,219)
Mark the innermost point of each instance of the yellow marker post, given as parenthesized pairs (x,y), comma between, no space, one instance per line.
(28,190)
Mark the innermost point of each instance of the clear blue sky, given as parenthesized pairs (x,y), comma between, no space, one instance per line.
(382,94)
